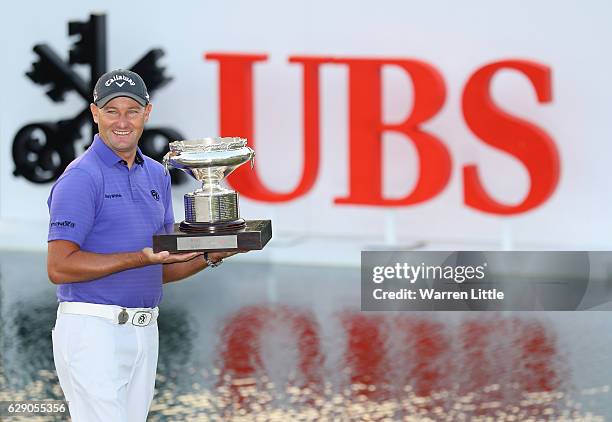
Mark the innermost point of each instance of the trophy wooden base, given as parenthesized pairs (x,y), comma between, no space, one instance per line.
(253,236)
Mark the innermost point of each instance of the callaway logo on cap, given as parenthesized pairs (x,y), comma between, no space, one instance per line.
(120,83)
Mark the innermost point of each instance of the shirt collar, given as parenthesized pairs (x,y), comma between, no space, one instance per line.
(108,156)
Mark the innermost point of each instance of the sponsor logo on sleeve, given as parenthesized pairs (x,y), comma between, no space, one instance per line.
(65,223)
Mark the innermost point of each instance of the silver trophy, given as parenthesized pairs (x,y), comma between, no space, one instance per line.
(212,217)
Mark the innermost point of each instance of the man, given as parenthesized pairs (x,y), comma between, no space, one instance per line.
(104,210)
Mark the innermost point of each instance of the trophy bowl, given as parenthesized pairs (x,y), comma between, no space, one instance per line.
(213,207)
(212,218)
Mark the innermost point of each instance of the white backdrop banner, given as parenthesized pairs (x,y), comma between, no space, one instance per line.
(440,125)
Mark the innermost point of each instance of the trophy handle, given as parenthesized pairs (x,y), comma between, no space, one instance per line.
(166,162)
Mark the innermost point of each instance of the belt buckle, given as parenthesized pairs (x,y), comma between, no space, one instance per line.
(123,317)
(142,318)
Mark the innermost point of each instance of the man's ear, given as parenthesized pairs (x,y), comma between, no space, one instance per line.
(95,112)
(148,109)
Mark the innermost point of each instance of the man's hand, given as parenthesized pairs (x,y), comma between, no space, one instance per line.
(218,256)
(179,271)
(165,257)
(67,263)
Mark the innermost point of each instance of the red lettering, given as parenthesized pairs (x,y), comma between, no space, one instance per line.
(521,139)
(541,368)
(241,342)
(366,129)
(491,360)
(366,353)
(236,119)
(497,128)
(428,355)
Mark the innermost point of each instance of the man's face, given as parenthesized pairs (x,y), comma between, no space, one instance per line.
(121,122)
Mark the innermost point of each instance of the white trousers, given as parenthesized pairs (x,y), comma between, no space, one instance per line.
(107,371)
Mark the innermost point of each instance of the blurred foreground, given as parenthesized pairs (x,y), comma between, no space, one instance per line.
(260,342)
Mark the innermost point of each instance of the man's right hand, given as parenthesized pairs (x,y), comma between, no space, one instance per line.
(165,257)
(67,263)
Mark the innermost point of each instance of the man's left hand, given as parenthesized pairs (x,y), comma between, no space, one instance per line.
(215,258)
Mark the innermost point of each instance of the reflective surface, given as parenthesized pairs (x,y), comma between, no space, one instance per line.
(259,342)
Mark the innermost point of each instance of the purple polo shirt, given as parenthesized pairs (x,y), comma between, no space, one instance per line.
(104,207)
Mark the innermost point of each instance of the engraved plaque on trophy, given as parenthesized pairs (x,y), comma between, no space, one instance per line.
(212,219)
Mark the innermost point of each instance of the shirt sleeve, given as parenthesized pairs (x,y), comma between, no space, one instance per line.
(169,216)
(72,207)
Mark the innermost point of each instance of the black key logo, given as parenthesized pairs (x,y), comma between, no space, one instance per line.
(42,150)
